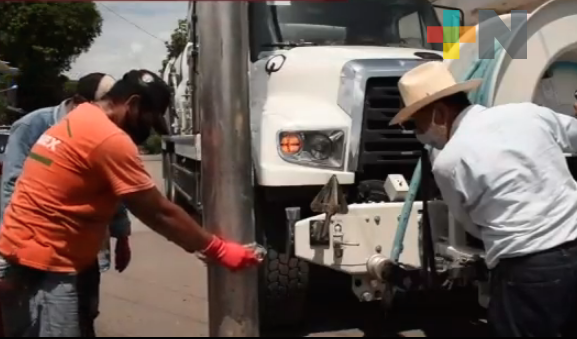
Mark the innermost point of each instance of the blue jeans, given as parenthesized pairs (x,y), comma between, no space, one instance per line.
(88,285)
(43,304)
(536,295)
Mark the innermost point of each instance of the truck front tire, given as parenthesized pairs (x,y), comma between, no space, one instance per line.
(284,278)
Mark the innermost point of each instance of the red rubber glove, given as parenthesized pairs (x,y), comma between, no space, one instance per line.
(231,255)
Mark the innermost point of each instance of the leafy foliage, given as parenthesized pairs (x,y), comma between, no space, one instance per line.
(3,109)
(42,39)
(177,42)
(69,88)
(153,144)
(5,117)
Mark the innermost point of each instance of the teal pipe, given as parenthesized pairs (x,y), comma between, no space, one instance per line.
(406,214)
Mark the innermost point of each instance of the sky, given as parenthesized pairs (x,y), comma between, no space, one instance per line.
(123,46)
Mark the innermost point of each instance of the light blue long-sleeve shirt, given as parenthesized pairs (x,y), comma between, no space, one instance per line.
(504,175)
(23,135)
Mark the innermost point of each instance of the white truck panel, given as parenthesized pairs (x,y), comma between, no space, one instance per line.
(367,229)
(303,95)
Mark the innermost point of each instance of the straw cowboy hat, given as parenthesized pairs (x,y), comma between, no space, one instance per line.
(426,84)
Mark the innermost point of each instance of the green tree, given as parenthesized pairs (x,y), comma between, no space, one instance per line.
(5,116)
(153,144)
(69,88)
(42,39)
(3,109)
(177,42)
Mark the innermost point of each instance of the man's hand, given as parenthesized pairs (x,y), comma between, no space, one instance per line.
(231,255)
(122,254)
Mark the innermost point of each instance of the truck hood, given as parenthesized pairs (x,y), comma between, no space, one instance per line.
(312,74)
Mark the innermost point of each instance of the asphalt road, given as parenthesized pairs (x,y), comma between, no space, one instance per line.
(163,294)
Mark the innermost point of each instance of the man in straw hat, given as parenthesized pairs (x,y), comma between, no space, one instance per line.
(503,174)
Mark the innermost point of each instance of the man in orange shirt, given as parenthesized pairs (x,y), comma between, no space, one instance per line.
(76,175)
(23,135)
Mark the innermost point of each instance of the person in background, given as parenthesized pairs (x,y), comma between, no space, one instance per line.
(24,133)
(503,174)
(79,171)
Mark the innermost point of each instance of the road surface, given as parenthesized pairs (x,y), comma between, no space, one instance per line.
(163,294)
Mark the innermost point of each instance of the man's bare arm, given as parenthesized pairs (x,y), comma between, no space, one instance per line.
(167,219)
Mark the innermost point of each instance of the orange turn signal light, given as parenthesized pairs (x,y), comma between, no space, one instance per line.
(290,143)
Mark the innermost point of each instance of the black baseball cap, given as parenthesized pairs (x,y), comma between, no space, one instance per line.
(153,91)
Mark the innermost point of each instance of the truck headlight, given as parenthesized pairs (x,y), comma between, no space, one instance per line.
(324,148)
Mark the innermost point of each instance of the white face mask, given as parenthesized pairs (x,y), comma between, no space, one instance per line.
(433,136)
(432,139)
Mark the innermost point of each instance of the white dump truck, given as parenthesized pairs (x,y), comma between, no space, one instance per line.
(313,168)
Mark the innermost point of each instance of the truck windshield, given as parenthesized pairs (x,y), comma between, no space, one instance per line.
(394,23)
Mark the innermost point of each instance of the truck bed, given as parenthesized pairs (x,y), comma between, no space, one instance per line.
(187,146)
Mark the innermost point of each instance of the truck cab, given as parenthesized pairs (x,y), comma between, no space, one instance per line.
(323,74)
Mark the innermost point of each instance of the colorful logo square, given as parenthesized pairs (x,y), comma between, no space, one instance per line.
(451,34)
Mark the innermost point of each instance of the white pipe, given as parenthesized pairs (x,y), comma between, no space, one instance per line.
(548,38)
(549,32)
(11,88)
(4,67)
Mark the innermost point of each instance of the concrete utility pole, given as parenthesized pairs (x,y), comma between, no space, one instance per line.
(226,160)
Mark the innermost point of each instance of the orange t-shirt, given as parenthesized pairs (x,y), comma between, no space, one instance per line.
(68,191)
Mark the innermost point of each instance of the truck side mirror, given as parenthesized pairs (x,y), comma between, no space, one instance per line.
(461,12)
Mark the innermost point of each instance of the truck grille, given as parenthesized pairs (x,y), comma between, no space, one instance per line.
(385,149)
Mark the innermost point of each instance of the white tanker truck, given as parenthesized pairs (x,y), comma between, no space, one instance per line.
(316,173)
